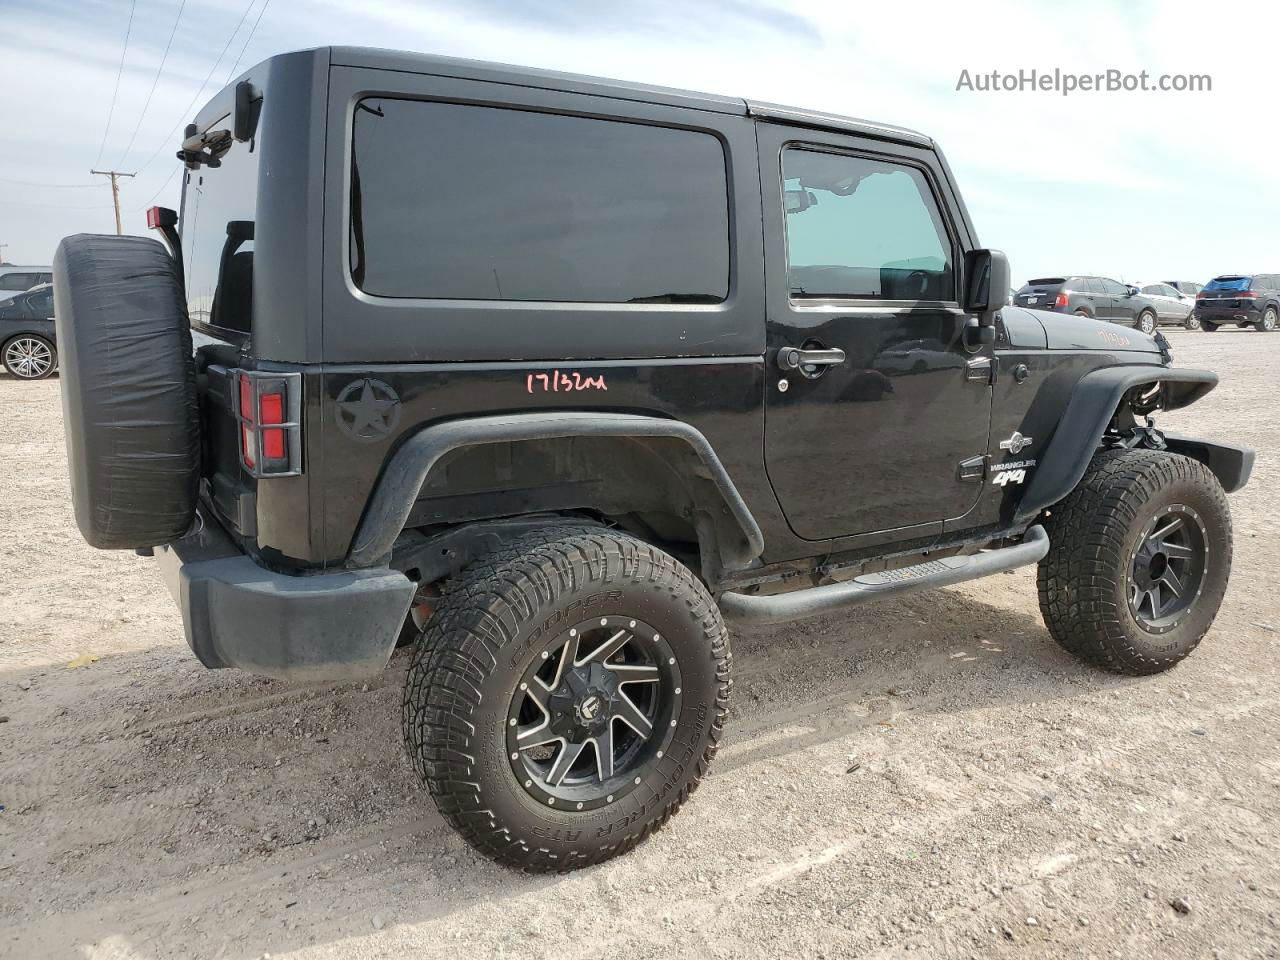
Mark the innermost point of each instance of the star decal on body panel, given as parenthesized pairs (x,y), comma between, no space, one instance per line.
(368,410)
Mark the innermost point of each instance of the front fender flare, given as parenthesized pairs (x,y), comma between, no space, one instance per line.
(1093,402)
(405,473)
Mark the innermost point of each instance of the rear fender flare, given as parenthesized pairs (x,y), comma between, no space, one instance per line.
(407,470)
(1093,402)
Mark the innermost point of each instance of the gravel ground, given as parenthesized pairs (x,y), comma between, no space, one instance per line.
(931,775)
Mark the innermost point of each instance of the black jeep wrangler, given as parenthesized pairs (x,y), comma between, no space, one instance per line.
(557,374)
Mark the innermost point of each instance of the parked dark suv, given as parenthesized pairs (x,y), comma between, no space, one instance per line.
(560,374)
(1098,298)
(1242,299)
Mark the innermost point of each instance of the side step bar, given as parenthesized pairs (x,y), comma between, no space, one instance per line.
(782,607)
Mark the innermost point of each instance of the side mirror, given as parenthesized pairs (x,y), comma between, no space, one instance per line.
(1133,291)
(986,274)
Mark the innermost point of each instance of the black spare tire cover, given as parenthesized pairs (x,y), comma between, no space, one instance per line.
(128,390)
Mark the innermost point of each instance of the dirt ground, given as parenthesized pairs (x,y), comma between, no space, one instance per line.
(931,775)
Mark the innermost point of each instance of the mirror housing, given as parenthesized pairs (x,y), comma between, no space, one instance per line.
(986,274)
(1133,291)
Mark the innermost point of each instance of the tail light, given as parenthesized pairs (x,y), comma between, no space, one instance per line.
(1061,301)
(1247,295)
(1202,294)
(268,410)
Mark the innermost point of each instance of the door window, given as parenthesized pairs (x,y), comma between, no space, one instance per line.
(18,281)
(1113,289)
(863,229)
(1094,285)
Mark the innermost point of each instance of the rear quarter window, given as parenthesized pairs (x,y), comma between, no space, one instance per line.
(452,201)
(219,206)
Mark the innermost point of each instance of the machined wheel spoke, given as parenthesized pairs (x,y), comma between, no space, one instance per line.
(568,657)
(1171,527)
(1170,580)
(630,714)
(635,672)
(604,752)
(607,649)
(565,759)
(537,736)
(1176,551)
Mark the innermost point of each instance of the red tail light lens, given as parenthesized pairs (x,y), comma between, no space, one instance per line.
(1061,301)
(1247,295)
(268,407)
(1202,294)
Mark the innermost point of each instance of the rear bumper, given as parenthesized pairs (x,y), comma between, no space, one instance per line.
(1224,315)
(327,626)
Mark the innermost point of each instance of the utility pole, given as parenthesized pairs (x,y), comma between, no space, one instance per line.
(115,192)
(2,246)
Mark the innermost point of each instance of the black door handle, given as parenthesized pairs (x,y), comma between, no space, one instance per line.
(793,358)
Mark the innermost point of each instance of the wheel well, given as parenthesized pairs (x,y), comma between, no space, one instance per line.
(665,485)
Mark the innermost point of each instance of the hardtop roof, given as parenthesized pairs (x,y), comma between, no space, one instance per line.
(422,63)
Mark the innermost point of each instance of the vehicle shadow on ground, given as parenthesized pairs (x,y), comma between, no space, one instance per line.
(149,801)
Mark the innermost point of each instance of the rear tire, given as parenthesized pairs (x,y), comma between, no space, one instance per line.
(29,357)
(1268,322)
(1146,322)
(1208,327)
(1191,323)
(1139,522)
(508,721)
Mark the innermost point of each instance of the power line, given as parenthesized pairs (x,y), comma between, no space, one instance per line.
(186,112)
(252,31)
(172,174)
(58,186)
(155,80)
(119,73)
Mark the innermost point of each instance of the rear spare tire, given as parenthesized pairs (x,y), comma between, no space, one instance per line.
(128,390)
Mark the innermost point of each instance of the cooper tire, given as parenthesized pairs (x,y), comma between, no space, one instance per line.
(128,390)
(1095,584)
(506,621)
(29,357)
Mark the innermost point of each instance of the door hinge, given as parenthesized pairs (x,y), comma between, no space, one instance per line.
(975,468)
(982,369)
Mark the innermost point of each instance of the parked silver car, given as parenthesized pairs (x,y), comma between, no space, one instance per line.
(1172,305)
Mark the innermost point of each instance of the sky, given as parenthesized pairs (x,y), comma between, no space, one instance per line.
(1139,186)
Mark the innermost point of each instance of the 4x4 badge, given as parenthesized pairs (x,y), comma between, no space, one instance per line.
(368,410)
(1015,444)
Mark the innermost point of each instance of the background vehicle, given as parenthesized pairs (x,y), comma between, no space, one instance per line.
(650,382)
(28,342)
(1172,305)
(1098,298)
(1242,299)
(1186,286)
(15,279)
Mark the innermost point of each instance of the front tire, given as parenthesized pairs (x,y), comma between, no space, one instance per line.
(1268,322)
(566,697)
(1147,322)
(29,357)
(1139,561)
